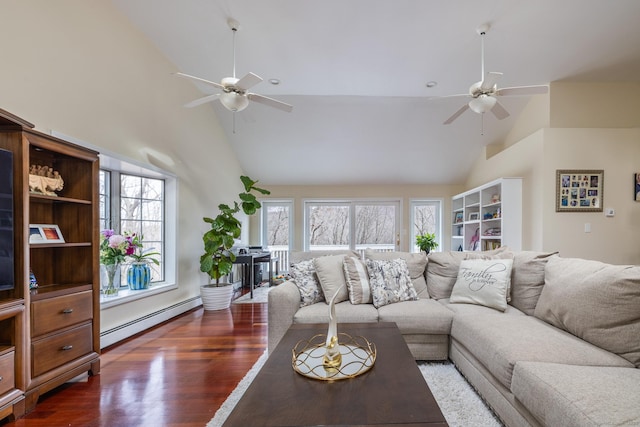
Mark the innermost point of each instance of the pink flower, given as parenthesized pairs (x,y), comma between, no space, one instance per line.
(116,240)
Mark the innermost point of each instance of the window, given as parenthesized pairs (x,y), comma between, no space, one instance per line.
(425,218)
(355,225)
(140,200)
(277,229)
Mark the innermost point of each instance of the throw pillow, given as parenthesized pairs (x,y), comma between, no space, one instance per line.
(443,267)
(355,272)
(390,281)
(331,277)
(597,302)
(483,282)
(304,276)
(416,262)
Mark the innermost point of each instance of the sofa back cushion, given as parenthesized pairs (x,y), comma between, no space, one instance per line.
(416,262)
(597,302)
(297,256)
(443,267)
(527,279)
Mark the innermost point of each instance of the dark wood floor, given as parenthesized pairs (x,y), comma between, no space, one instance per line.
(176,374)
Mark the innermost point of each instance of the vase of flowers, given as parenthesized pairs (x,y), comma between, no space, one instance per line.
(114,249)
(139,272)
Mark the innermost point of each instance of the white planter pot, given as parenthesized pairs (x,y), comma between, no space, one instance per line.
(216,297)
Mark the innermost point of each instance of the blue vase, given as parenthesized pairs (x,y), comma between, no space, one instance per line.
(138,276)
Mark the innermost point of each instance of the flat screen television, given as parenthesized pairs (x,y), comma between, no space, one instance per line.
(7,252)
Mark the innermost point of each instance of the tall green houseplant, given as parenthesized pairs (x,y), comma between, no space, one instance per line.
(217,260)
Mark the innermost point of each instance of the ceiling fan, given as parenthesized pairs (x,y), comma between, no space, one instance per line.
(235,96)
(485,92)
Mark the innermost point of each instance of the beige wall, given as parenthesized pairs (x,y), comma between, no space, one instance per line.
(79,68)
(404,192)
(574,142)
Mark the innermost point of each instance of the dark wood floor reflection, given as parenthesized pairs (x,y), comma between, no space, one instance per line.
(176,374)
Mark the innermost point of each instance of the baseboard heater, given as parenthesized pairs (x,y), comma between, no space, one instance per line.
(126,330)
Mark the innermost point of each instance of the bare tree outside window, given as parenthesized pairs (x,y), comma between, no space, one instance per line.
(375,225)
(277,225)
(328,226)
(425,218)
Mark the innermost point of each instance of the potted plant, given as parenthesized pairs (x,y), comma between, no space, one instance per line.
(114,248)
(139,273)
(217,260)
(426,242)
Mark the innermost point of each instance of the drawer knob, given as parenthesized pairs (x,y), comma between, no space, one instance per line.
(67,347)
(67,311)
(1,378)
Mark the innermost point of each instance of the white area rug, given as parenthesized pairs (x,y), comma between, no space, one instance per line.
(259,295)
(459,403)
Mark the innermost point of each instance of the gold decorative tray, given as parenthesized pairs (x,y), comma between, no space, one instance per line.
(358,356)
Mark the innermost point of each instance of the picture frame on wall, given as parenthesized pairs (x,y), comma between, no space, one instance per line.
(636,192)
(579,190)
(45,233)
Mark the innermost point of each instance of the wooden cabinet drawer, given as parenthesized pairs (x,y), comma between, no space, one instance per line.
(7,372)
(51,314)
(58,349)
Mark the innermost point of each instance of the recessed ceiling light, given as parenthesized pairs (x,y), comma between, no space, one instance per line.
(274,82)
(431,84)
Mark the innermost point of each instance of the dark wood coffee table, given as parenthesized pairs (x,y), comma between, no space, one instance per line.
(393,392)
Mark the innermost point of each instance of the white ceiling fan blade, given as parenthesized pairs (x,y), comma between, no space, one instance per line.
(490,80)
(270,102)
(248,81)
(459,95)
(202,100)
(523,90)
(218,85)
(457,114)
(499,111)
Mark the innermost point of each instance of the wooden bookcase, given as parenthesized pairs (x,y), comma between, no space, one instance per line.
(54,333)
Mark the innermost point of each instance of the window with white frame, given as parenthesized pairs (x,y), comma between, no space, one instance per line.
(138,200)
(352,224)
(425,218)
(277,229)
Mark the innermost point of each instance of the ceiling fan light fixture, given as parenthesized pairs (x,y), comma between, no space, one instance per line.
(233,101)
(482,104)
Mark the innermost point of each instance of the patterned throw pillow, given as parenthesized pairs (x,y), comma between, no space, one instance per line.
(355,272)
(304,276)
(483,282)
(390,281)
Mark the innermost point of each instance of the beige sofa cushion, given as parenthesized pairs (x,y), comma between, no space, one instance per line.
(331,277)
(417,263)
(499,341)
(597,302)
(424,316)
(474,309)
(483,282)
(443,267)
(527,278)
(578,396)
(345,313)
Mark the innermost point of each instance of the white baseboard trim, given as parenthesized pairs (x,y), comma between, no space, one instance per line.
(119,333)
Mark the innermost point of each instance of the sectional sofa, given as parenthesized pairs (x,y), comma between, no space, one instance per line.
(545,340)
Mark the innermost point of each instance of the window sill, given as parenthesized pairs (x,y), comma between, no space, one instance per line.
(127,295)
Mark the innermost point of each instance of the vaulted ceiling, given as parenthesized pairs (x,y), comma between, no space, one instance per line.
(356,73)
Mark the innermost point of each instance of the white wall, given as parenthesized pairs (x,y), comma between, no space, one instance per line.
(79,68)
